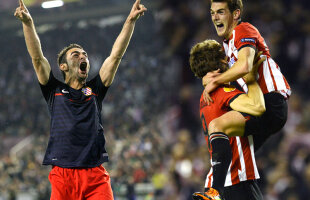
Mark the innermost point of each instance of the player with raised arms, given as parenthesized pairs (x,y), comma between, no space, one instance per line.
(76,147)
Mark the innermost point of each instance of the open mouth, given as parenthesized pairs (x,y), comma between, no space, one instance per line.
(219,25)
(83,66)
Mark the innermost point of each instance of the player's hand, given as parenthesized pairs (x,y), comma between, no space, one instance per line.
(137,10)
(208,81)
(208,89)
(258,60)
(22,13)
(209,77)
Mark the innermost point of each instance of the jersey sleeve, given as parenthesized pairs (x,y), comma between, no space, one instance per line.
(246,35)
(48,90)
(228,94)
(98,88)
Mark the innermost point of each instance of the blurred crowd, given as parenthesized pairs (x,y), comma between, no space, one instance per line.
(150,114)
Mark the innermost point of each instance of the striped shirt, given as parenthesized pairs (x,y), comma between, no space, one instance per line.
(243,166)
(270,77)
(76,136)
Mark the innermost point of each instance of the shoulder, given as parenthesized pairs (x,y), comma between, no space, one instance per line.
(245,28)
(227,91)
(52,81)
(95,81)
(97,87)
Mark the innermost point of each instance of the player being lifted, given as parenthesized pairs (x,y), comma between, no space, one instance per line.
(241,41)
(76,147)
(232,158)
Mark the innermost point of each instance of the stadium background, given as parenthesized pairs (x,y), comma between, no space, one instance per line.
(153,132)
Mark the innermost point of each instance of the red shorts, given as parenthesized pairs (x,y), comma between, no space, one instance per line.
(80,184)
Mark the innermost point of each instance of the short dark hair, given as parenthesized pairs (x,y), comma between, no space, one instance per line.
(207,56)
(62,55)
(232,5)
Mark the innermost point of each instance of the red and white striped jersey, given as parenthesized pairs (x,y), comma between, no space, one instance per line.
(243,166)
(270,77)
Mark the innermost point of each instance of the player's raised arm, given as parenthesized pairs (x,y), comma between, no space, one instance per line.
(40,63)
(253,102)
(110,65)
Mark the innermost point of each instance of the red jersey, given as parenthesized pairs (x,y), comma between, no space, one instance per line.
(270,77)
(243,166)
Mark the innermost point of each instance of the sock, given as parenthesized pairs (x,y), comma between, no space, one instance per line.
(221,158)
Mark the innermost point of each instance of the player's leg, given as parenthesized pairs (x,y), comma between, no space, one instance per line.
(61,190)
(220,129)
(273,119)
(98,184)
(231,123)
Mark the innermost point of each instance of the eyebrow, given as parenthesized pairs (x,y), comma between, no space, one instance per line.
(221,9)
(83,52)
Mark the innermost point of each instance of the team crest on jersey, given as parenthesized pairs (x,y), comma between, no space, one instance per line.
(87,91)
(229,88)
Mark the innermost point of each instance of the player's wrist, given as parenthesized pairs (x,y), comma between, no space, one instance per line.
(28,22)
(217,81)
(131,19)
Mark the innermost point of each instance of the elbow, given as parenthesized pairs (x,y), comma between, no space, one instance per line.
(245,69)
(37,60)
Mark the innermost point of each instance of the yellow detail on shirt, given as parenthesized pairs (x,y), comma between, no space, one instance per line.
(229,88)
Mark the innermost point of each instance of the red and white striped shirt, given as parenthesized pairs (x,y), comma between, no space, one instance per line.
(243,166)
(270,77)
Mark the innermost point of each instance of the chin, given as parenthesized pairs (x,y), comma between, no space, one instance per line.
(220,34)
(83,78)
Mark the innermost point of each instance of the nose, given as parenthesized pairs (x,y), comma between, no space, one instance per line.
(83,57)
(215,16)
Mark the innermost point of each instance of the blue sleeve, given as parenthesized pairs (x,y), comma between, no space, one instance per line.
(48,90)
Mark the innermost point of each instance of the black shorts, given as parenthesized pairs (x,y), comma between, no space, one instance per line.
(246,190)
(270,122)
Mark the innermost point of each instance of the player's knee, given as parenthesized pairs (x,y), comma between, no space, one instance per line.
(220,125)
(216,126)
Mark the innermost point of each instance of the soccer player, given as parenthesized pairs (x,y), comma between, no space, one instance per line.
(76,148)
(241,41)
(232,158)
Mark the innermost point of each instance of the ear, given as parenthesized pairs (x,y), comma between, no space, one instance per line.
(64,67)
(236,14)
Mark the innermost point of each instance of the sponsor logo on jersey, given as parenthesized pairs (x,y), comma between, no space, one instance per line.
(64,91)
(248,40)
(215,163)
(229,88)
(87,91)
